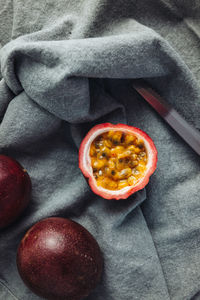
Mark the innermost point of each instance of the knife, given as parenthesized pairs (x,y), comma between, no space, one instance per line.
(190,134)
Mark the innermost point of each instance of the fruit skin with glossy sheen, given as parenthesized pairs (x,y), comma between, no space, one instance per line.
(59,259)
(15,190)
(85,163)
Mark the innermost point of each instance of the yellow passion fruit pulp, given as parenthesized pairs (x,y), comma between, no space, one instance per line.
(118,159)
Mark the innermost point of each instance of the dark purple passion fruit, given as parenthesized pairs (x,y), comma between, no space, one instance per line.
(15,190)
(59,259)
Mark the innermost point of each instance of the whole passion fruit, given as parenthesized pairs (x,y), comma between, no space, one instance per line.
(117,160)
(15,189)
(59,259)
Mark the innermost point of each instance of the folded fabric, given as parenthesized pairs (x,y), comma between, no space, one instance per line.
(73,71)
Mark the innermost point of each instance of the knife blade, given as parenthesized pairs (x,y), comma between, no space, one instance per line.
(189,134)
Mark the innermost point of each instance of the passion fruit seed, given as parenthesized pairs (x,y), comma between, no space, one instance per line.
(118,159)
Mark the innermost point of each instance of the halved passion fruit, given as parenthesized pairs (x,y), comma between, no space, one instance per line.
(117,159)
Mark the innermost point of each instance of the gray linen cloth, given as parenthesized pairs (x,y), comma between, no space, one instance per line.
(66,66)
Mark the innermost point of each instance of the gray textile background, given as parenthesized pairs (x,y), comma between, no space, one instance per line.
(68,67)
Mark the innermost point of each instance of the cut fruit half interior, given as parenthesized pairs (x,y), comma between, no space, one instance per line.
(117,160)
